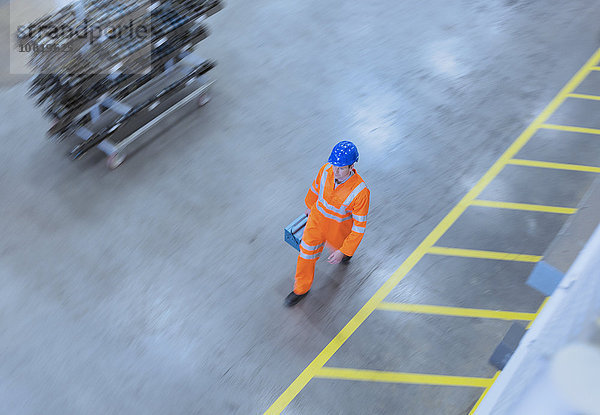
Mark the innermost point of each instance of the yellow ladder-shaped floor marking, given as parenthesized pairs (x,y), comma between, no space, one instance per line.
(400,377)
(475,253)
(483,394)
(570,128)
(456,311)
(498,372)
(538,312)
(585,96)
(317,365)
(558,166)
(523,206)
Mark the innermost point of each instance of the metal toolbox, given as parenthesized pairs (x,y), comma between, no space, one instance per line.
(295,230)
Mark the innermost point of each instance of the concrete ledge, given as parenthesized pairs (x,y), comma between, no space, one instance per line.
(568,243)
(575,233)
(526,385)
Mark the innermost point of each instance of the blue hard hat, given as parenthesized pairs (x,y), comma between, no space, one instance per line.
(344,153)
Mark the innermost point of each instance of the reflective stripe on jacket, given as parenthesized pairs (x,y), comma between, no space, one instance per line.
(344,208)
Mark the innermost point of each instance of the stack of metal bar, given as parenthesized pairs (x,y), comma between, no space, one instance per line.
(94,50)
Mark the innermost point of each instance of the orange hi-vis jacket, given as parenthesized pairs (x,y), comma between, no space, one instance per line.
(338,216)
(341,210)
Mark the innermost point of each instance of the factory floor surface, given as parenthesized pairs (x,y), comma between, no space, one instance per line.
(158,288)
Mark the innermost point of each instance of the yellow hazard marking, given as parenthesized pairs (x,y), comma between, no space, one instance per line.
(317,364)
(307,374)
(498,372)
(570,128)
(400,377)
(595,68)
(456,311)
(475,253)
(585,96)
(523,206)
(538,312)
(484,393)
(558,166)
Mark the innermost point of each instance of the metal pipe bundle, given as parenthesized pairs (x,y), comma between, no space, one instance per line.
(94,49)
(173,88)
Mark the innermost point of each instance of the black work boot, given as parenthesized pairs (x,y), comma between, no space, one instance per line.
(292,299)
(346,259)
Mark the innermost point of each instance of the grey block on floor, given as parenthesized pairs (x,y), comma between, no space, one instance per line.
(507,346)
(545,278)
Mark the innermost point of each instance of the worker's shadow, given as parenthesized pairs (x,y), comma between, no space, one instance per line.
(332,279)
(338,284)
(326,307)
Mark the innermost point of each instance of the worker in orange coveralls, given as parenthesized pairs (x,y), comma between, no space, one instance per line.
(338,204)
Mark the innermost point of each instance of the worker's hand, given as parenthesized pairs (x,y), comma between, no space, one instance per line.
(307,212)
(335,257)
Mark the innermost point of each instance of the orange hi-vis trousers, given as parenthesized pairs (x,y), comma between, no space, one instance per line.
(338,217)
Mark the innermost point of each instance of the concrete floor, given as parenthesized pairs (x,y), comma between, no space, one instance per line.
(158,287)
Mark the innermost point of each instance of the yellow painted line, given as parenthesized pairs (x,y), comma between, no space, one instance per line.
(484,393)
(456,311)
(474,253)
(585,96)
(400,377)
(498,372)
(570,128)
(595,68)
(558,166)
(310,371)
(523,206)
(538,312)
